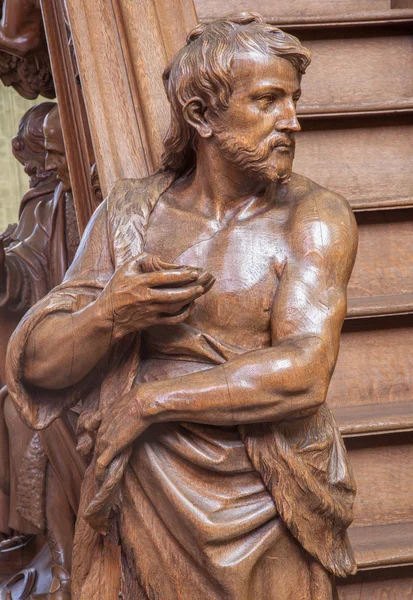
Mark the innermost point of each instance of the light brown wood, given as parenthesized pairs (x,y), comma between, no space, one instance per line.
(384,62)
(371,162)
(376,306)
(212,290)
(75,128)
(286,8)
(383,545)
(378,356)
(122,49)
(383,268)
(379,584)
(374,419)
(382,467)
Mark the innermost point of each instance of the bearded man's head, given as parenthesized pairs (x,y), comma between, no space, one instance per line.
(245,74)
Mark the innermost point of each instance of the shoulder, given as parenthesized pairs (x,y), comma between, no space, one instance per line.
(127,195)
(320,215)
(322,230)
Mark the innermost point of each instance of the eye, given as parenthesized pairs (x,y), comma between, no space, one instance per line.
(296,98)
(266,100)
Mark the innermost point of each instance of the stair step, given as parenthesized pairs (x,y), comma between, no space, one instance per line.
(375,363)
(382,466)
(351,19)
(373,419)
(379,306)
(301,11)
(384,262)
(347,111)
(368,161)
(347,72)
(382,204)
(380,546)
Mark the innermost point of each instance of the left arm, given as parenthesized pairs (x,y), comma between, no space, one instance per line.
(289,379)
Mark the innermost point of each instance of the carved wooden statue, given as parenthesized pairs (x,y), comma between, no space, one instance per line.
(199,325)
(24,58)
(40,472)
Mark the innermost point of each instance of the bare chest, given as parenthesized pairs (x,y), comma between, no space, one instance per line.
(245,258)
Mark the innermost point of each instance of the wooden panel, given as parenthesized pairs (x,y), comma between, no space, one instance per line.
(374,365)
(382,467)
(122,49)
(383,545)
(72,112)
(383,268)
(374,306)
(367,161)
(382,584)
(286,8)
(366,72)
(374,419)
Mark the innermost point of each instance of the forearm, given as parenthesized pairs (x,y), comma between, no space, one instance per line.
(272,384)
(65,347)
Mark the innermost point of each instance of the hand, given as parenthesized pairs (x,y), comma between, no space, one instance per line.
(118,427)
(146,291)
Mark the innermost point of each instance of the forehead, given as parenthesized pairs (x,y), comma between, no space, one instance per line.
(253,71)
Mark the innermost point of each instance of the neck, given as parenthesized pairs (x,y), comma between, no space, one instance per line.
(219,185)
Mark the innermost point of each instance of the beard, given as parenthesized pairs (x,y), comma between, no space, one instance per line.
(263,162)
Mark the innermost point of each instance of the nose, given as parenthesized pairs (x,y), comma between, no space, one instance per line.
(289,120)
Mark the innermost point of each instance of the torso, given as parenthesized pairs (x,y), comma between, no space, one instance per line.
(245,255)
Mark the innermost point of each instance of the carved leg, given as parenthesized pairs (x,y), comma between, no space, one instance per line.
(14,439)
(60,532)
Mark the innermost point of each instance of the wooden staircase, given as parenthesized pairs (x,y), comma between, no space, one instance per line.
(357,139)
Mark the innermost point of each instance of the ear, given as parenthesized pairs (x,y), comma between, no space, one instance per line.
(194,112)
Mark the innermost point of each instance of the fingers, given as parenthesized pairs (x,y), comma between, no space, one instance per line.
(177,295)
(92,422)
(176,319)
(168,278)
(102,464)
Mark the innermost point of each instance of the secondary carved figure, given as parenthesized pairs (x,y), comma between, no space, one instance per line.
(40,472)
(199,324)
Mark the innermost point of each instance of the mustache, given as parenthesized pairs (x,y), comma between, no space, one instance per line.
(285,140)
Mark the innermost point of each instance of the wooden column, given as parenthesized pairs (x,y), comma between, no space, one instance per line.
(122,47)
(72,110)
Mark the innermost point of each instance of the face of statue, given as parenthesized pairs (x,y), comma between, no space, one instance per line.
(55,148)
(256,132)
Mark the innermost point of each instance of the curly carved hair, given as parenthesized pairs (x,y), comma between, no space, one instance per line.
(203,68)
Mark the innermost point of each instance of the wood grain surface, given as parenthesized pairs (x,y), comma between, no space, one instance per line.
(383,60)
(374,419)
(383,268)
(375,364)
(383,545)
(364,160)
(382,467)
(286,8)
(386,584)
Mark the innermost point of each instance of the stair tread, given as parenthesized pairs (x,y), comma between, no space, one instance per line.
(370,419)
(370,306)
(378,546)
(395,203)
(353,110)
(351,19)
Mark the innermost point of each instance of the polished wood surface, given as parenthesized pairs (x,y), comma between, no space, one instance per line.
(122,50)
(356,141)
(202,342)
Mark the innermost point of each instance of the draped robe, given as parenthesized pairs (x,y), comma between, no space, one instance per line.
(289,490)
